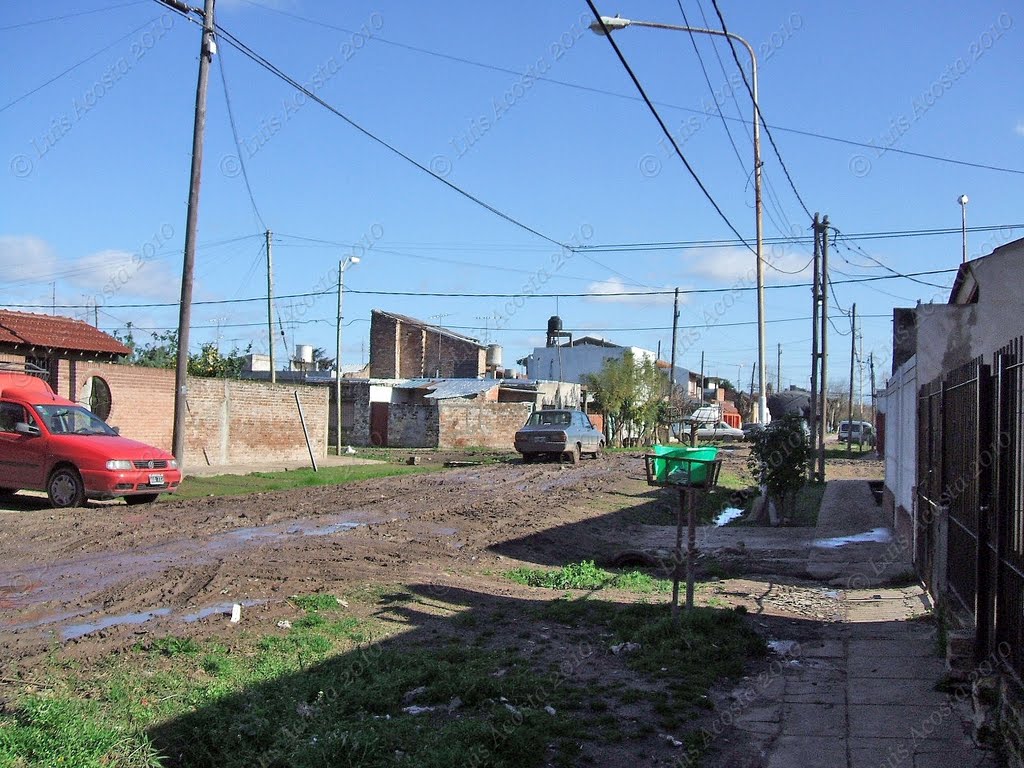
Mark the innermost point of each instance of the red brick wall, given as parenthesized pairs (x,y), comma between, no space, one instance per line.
(228,421)
(465,423)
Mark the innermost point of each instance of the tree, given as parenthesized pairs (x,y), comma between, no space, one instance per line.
(321,362)
(161,352)
(778,459)
(629,393)
(210,363)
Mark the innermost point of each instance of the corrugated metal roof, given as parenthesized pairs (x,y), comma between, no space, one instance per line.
(444,389)
(26,329)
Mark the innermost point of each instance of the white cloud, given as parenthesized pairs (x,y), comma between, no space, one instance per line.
(1019,128)
(112,276)
(627,294)
(737,266)
(25,258)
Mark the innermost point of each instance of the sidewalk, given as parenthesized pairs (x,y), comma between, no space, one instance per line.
(862,693)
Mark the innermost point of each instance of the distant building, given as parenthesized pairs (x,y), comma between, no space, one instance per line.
(406,348)
(578,358)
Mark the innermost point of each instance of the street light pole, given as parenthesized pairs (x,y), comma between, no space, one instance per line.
(963,223)
(610,24)
(337,359)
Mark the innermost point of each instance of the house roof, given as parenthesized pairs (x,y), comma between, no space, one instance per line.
(445,389)
(26,329)
(965,281)
(429,327)
(591,341)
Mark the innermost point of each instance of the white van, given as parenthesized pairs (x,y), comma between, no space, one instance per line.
(857,432)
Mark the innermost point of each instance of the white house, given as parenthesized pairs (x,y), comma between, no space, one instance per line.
(576,359)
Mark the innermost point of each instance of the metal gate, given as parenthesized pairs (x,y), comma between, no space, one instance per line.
(929,480)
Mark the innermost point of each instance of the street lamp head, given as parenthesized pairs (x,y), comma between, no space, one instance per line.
(353,260)
(610,24)
(962,199)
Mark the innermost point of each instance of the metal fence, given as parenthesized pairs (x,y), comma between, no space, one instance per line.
(970,494)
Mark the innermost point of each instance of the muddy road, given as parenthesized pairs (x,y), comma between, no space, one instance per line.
(98,576)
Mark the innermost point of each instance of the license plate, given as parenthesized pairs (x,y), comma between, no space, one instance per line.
(540,438)
(156,479)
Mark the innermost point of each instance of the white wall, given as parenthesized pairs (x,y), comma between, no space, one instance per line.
(576,362)
(899,401)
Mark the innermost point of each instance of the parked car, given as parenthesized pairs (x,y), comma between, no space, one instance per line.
(561,433)
(51,444)
(719,431)
(857,432)
(750,428)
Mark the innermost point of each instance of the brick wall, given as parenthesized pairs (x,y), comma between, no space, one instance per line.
(383,346)
(228,421)
(412,426)
(474,423)
(408,351)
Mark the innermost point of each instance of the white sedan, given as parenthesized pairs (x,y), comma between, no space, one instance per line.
(719,431)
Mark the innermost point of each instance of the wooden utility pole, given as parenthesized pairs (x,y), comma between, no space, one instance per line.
(853,355)
(871,358)
(778,371)
(815,362)
(823,379)
(270,310)
(672,370)
(207,49)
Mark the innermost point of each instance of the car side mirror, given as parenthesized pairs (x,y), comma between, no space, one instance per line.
(117,430)
(26,429)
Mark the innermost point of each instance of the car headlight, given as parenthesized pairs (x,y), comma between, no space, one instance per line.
(172,464)
(119,464)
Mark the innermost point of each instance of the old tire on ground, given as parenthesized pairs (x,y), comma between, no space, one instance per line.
(65,488)
(141,498)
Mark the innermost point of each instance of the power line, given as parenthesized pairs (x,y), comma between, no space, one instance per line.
(263,62)
(604,92)
(73,67)
(757,109)
(439,294)
(69,15)
(664,128)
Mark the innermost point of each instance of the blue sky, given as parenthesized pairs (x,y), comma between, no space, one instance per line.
(96,165)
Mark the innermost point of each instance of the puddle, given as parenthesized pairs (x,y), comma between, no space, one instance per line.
(75,631)
(727,515)
(879,535)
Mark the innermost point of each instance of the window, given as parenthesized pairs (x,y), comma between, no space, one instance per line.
(10,414)
(95,396)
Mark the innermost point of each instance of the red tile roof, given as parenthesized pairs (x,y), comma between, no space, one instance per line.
(25,329)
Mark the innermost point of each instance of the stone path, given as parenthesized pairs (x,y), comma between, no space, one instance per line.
(862,693)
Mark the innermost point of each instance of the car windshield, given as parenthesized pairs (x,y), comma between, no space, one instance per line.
(549,418)
(72,419)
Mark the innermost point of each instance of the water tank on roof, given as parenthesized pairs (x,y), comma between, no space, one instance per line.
(494,355)
(304,353)
(554,324)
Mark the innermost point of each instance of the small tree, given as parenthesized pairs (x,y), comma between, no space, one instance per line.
(629,392)
(778,459)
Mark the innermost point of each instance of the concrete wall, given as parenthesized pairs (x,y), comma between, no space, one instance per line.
(412,426)
(576,362)
(899,400)
(466,423)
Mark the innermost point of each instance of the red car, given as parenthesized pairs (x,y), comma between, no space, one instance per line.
(51,444)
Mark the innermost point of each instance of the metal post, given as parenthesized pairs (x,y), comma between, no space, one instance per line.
(675,326)
(337,361)
(853,354)
(823,381)
(691,545)
(207,49)
(270,310)
(778,370)
(963,223)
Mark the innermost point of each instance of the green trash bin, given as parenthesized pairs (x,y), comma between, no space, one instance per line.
(670,465)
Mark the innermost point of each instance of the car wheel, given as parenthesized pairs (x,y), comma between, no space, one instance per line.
(597,454)
(142,498)
(574,455)
(65,488)
(8,491)
(528,458)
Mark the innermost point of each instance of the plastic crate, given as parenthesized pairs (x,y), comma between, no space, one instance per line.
(669,465)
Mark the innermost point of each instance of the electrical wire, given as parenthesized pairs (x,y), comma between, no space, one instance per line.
(757,109)
(664,128)
(629,97)
(238,144)
(263,62)
(73,67)
(69,15)
(439,294)
(867,255)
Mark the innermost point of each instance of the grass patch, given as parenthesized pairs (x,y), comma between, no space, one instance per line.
(317,602)
(232,485)
(586,575)
(808,504)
